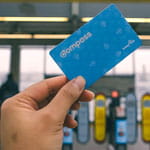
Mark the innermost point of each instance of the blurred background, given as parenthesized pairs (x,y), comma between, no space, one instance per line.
(118,117)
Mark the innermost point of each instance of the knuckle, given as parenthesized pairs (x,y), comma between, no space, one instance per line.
(70,93)
(75,106)
(47,116)
(54,118)
(5,105)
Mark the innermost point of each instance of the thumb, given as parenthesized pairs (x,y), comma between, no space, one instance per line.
(66,96)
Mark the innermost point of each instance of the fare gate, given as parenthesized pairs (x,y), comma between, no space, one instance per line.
(131,115)
(83,129)
(120,129)
(68,138)
(146,117)
(100,118)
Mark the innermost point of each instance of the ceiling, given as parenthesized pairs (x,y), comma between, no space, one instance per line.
(74,11)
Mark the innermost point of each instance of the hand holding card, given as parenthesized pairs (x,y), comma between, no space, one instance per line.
(97,46)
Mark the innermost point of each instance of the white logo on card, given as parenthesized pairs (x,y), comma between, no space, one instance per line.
(130,42)
(77,44)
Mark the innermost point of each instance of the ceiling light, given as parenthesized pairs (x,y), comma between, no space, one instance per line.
(51,36)
(86,19)
(34,19)
(130,20)
(138,20)
(48,36)
(144,37)
(15,36)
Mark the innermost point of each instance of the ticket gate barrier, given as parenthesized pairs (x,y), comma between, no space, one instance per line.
(146,117)
(120,129)
(131,115)
(121,147)
(100,118)
(83,129)
(115,102)
(115,96)
(68,138)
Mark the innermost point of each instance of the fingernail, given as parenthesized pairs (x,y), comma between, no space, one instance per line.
(79,82)
(92,93)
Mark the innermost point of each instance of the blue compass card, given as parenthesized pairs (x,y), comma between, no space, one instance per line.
(97,46)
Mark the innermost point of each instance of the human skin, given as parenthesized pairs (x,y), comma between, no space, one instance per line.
(34,119)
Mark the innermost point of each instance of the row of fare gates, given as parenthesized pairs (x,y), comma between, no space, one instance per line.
(115,123)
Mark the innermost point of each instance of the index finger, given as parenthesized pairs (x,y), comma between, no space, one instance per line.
(42,90)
